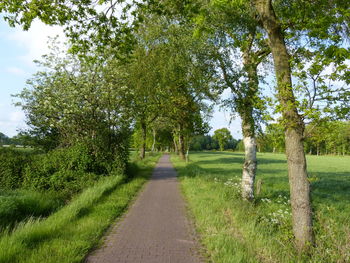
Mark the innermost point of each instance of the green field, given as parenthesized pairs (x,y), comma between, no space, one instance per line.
(235,231)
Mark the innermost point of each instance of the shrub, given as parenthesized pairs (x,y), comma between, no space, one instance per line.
(67,170)
(12,165)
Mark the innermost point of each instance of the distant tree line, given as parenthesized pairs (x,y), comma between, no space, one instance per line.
(329,137)
(5,140)
(209,142)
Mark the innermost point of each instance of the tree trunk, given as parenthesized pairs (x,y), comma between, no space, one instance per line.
(294,128)
(154,140)
(187,154)
(181,145)
(249,168)
(248,127)
(176,148)
(144,137)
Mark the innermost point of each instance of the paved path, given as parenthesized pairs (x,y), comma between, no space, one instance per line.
(155,230)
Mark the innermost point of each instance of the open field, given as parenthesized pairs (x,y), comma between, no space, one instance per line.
(69,234)
(233,231)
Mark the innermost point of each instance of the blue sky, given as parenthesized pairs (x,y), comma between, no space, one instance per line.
(18,49)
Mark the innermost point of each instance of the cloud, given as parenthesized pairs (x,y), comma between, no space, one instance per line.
(16,71)
(34,41)
(17,116)
(12,119)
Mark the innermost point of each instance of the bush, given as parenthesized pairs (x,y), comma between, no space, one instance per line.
(67,170)
(12,165)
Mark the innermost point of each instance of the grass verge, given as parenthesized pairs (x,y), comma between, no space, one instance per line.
(69,234)
(236,231)
(18,205)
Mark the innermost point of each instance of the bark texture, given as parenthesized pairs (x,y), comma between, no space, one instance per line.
(248,125)
(294,127)
(249,168)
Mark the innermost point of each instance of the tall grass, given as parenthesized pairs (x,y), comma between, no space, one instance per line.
(18,205)
(69,234)
(236,231)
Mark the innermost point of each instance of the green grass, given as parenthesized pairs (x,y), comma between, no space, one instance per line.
(236,231)
(72,232)
(19,205)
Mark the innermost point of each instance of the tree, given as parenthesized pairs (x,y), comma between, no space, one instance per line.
(83,102)
(142,82)
(243,81)
(310,23)
(4,139)
(223,136)
(293,123)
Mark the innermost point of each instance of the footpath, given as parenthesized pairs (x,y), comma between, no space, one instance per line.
(155,229)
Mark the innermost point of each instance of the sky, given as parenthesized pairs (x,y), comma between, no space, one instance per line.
(19,48)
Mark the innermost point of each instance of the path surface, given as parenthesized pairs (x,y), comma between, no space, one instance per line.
(155,230)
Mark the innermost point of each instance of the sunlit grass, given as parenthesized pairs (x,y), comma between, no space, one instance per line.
(234,231)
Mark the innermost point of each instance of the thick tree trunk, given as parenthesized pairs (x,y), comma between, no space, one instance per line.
(144,137)
(294,128)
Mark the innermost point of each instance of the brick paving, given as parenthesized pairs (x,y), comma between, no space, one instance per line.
(156,229)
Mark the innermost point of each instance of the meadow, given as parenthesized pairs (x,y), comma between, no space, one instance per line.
(231,230)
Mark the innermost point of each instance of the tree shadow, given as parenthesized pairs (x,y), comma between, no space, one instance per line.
(331,188)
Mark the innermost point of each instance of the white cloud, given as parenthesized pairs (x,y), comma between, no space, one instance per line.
(17,116)
(34,41)
(16,71)
(12,119)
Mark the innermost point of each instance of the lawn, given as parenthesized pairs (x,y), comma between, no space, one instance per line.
(235,231)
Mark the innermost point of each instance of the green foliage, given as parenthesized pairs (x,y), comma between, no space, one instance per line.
(223,136)
(12,166)
(5,140)
(321,137)
(332,137)
(66,170)
(272,140)
(208,142)
(80,101)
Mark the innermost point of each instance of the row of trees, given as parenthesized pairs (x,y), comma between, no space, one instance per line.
(331,137)
(152,67)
